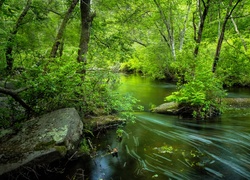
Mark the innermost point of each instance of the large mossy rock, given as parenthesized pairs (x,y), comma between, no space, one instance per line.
(40,140)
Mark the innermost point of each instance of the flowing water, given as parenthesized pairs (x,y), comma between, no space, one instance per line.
(164,147)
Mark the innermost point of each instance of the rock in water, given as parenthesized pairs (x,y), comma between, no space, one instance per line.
(41,140)
(166,108)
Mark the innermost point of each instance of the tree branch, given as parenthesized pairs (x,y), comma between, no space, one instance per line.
(55,12)
(139,42)
(16,97)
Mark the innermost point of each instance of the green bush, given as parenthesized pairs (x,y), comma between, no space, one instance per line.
(56,83)
(200,95)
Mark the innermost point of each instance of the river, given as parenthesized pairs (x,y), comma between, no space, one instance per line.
(164,147)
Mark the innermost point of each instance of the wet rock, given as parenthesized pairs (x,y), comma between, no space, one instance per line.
(237,102)
(104,122)
(166,108)
(173,108)
(41,140)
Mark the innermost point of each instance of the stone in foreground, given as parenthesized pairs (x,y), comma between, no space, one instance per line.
(41,140)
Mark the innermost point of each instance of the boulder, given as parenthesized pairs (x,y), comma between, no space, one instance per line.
(41,140)
(166,108)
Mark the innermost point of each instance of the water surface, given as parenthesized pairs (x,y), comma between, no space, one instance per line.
(165,147)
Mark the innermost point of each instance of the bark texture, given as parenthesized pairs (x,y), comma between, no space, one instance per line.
(59,36)
(222,34)
(203,15)
(10,42)
(86,20)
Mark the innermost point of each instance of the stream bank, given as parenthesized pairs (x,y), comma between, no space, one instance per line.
(48,142)
(231,104)
(165,147)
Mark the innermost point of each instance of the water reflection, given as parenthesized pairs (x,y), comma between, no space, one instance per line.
(238,92)
(147,91)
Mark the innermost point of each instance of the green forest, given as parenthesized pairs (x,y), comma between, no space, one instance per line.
(69,53)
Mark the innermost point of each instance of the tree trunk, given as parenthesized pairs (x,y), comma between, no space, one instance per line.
(10,42)
(182,34)
(203,15)
(86,20)
(169,26)
(61,30)
(223,29)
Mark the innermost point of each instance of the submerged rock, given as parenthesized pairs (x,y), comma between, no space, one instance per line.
(41,140)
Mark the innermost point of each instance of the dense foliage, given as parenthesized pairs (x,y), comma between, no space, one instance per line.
(65,53)
(49,82)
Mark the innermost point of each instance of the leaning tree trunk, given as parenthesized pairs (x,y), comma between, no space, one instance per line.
(10,42)
(86,19)
(223,29)
(198,36)
(59,36)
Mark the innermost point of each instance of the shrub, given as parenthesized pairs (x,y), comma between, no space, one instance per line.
(200,96)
